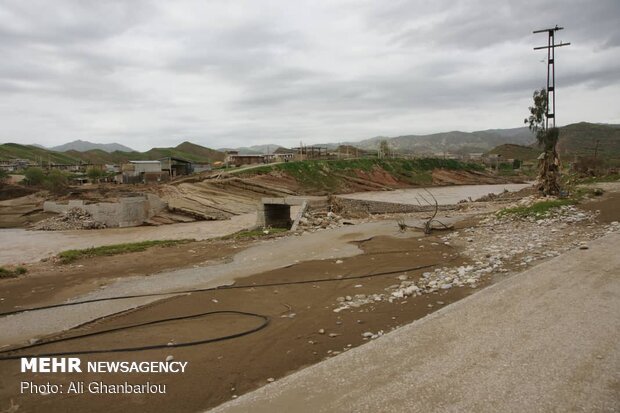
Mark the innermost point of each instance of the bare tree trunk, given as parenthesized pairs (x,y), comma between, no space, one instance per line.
(549,173)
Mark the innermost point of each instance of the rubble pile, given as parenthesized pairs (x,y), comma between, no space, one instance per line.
(74,218)
(316,220)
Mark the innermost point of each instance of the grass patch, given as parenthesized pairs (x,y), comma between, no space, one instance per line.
(326,175)
(17,271)
(539,209)
(256,233)
(597,179)
(116,249)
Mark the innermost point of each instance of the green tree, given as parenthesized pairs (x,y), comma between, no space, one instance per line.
(384,149)
(4,175)
(549,161)
(56,181)
(34,176)
(94,174)
(536,120)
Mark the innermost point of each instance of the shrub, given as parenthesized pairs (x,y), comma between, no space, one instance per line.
(34,176)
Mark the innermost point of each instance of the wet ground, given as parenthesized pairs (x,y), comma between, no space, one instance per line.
(218,371)
(298,312)
(22,246)
(448,195)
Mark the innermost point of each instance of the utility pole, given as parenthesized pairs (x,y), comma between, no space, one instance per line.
(551,45)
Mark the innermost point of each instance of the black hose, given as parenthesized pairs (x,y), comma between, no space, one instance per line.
(222,287)
(264,324)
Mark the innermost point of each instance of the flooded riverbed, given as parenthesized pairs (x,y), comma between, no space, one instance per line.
(445,195)
(23,246)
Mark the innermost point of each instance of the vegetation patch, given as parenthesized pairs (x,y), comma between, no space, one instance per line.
(256,233)
(15,272)
(597,179)
(327,175)
(537,210)
(116,249)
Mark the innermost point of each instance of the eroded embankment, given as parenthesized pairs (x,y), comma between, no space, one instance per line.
(223,195)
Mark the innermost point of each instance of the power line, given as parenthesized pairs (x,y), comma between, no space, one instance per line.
(551,45)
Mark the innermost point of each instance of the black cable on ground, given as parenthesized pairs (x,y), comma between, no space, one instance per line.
(219,288)
(264,324)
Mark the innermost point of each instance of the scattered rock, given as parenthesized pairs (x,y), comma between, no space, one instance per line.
(74,218)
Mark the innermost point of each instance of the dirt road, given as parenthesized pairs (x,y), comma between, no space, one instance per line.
(545,340)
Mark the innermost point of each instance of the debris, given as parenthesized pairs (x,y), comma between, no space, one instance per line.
(74,218)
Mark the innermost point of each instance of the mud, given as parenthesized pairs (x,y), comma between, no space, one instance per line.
(292,340)
(608,207)
(52,282)
(220,371)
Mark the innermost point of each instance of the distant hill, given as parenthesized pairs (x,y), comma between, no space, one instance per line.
(83,146)
(253,150)
(33,153)
(510,151)
(455,141)
(186,150)
(577,139)
(582,139)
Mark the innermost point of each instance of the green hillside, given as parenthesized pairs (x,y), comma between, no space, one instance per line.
(510,151)
(186,150)
(10,151)
(331,176)
(577,139)
(582,139)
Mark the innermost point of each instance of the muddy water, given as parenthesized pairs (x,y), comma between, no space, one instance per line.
(445,195)
(22,246)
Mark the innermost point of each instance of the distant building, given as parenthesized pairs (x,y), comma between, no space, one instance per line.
(310,152)
(135,172)
(112,168)
(283,155)
(176,166)
(239,160)
(14,165)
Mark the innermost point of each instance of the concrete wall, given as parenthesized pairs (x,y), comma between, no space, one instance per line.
(356,207)
(147,167)
(127,212)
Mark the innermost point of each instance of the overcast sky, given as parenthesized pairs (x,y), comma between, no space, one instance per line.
(236,73)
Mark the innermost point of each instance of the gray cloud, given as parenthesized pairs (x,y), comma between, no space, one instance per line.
(148,73)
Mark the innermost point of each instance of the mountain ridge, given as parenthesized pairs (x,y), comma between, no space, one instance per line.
(84,146)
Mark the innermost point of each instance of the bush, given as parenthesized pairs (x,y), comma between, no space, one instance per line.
(94,174)
(34,176)
(6,273)
(56,181)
